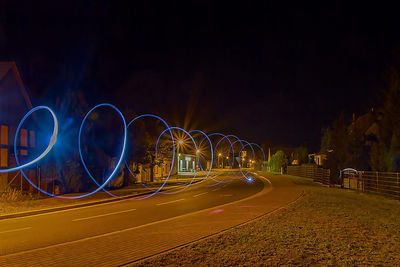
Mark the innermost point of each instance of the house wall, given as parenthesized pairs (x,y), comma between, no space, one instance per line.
(160,172)
(14,104)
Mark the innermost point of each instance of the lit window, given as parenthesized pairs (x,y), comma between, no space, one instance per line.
(24,137)
(3,157)
(4,135)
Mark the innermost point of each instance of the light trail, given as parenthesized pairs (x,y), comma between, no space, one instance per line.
(122,155)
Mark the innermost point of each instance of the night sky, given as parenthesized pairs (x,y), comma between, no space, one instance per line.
(265,72)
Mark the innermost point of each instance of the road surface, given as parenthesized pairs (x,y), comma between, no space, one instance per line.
(157,223)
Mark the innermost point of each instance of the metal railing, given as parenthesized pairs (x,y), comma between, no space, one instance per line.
(311,171)
(382,183)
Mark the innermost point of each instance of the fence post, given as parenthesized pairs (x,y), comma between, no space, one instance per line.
(362,182)
(54,178)
(377,186)
(349,181)
(329,176)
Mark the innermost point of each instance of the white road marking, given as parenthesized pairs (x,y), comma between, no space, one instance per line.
(102,215)
(200,194)
(15,230)
(173,201)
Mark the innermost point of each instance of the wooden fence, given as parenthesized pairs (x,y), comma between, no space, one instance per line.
(382,183)
(310,171)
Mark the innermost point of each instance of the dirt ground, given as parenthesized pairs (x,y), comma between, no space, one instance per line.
(329,226)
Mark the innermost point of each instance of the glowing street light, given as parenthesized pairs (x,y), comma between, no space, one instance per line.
(198,151)
(180,142)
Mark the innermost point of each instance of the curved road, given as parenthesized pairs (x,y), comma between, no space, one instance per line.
(120,232)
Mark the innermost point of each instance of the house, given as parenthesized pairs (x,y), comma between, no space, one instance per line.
(318,158)
(186,163)
(14,104)
(142,172)
(365,126)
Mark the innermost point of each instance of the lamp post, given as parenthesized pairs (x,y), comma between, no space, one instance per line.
(219,156)
(180,142)
(198,154)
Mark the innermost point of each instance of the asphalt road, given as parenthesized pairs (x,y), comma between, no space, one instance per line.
(43,230)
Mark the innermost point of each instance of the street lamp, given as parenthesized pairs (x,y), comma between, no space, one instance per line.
(219,156)
(180,142)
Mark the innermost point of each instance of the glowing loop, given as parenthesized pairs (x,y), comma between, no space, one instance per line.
(173,154)
(52,142)
(120,157)
(243,147)
(212,152)
(231,148)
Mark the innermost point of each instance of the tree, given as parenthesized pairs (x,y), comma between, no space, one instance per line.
(335,143)
(326,140)
(385,152)
(344,147)
(152,159)
(278,160)
(301,155)
(142,146)
(63,162)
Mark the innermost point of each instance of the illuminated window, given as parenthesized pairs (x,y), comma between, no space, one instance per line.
(3,157)
(4,135)
(24,137)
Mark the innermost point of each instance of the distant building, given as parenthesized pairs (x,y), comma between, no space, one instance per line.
(318,158)
(365,126)
(142,172)
(187,163)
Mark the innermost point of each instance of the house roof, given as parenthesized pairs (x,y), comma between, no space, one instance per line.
(9,67)
(362,123)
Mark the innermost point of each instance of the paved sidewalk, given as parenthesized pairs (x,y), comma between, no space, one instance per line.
(139,242)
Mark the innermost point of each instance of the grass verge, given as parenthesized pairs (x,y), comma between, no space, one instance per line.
(329,226)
